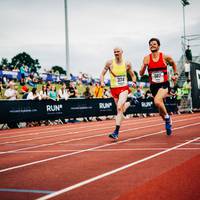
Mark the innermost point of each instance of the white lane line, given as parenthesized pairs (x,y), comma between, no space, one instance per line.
(83,138)
(56,135)
(107,150)
(25,191)
(80,184)
(90,149)
(63,134)
(67,132)
(72,140)
(89,144)
(49,129)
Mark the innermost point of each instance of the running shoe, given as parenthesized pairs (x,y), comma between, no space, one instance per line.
(168,126)
(114,135)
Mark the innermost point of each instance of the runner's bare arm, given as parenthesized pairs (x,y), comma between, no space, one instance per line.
(144,65)
(171,62)
(131,72)
(105,69)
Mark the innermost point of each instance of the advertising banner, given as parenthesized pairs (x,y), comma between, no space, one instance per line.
(195,83)
(35,110)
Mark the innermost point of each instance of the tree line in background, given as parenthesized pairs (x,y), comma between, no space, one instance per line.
(25,59)
(34,65)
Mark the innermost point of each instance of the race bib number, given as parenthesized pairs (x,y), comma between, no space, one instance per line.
(157,77)
(120,80)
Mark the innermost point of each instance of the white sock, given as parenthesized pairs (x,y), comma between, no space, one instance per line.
(166,116)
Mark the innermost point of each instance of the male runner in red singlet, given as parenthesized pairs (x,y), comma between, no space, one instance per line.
(156,63)
(118,69)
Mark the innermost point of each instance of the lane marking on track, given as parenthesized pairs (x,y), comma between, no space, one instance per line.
(87,150)
(107,150)
(83,144)
(78,139)
(80,184)
(52,129)
(83,138)
(68,133)
(48,129)
(25,191)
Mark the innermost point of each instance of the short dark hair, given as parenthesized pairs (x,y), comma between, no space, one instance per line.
(154,39)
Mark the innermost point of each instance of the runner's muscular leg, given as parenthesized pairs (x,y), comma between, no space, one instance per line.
(158,100)
(121,106)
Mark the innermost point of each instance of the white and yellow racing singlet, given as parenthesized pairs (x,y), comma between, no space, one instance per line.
(118,75)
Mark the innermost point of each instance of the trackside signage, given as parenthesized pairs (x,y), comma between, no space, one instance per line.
(147,104)
(195,83)
(34,110)
(198,78)
(54,108)
(105,105)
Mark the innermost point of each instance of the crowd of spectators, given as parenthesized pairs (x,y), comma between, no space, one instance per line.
(10,89)
(32,87)
(11,93)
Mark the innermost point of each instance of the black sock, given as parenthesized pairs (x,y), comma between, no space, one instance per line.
(117,128)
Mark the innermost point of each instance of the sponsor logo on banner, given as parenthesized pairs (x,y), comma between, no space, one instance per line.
(105,105)
(146,104)
(54,109)
(198,78)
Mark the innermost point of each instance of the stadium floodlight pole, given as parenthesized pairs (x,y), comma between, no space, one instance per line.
(67,41)
(184,3)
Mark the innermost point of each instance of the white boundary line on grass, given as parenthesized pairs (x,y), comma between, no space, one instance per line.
(80,184)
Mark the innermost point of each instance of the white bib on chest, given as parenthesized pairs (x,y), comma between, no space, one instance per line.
(121,80)
(157,77)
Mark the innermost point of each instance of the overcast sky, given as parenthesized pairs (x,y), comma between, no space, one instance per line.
(95,28)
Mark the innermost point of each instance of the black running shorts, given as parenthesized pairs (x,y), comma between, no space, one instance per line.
(155,87)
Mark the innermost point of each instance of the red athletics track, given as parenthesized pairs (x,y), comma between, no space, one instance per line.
(79,161)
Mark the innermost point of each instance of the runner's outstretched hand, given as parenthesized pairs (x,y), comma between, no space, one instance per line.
(134,85)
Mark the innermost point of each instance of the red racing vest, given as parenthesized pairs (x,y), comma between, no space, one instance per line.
(157,70)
